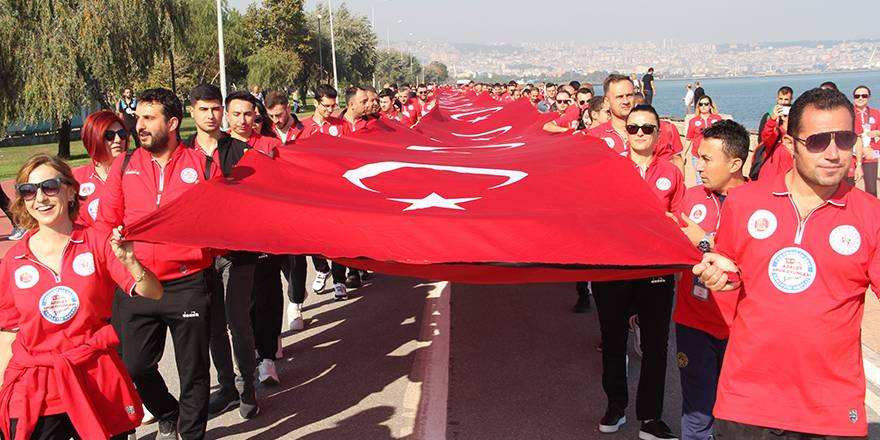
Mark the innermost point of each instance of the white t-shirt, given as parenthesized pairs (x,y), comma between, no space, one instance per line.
(689,97)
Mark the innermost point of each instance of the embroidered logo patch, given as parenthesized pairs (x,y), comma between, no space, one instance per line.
(663,184)
(698,213)
(762,224)
(189,175)
(845,240)
(853,416)
(333,131)
(84,264)
(792,270)
(93,208)
(59,304)
(26,277)
(609,141)
(86,189)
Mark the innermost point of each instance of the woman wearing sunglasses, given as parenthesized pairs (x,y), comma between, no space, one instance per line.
(706,115)
(868,127)
(56,288)
(105,137)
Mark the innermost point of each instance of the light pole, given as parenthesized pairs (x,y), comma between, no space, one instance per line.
(411,64)
(320,52)
(222,55)
(332,46)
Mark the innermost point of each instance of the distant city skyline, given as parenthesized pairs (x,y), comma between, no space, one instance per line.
(579,21)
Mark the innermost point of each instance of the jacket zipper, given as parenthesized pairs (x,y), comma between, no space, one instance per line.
(54,275)
(802,222)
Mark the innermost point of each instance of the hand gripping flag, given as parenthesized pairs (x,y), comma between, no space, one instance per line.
(461,198)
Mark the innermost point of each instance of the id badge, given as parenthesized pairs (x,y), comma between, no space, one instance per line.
(699,290)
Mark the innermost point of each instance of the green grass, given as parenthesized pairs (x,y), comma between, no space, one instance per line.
(11,158)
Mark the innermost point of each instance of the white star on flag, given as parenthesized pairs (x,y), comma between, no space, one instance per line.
(435,200)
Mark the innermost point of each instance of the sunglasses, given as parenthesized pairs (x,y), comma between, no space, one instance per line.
(817,143)
(423,93)
(109,135)
(582,102)
(563,101)
(861,95)
(51,187)
(647,128)
(704,104)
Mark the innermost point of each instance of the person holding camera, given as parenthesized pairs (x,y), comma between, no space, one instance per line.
(777,158)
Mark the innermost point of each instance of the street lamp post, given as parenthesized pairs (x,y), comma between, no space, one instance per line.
(222,54)
(320,51)
(332,46)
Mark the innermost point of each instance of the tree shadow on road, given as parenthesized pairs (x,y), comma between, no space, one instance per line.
(332,369)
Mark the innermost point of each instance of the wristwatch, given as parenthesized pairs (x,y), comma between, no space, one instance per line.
(703,245)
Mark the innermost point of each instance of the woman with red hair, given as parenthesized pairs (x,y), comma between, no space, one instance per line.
(105,137)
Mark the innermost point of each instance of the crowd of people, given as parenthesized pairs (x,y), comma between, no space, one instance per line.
(766,326)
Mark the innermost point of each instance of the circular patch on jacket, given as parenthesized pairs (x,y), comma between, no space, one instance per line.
(333,131)
(410,107)
(26,277)
(792,270)
(682,360)
(698,213)
(59,304)
(663,184)
(609,141)
(762,224)
(84,264)
(86,189)
(698,123)
(871,120)
(845,240)
(189,175)
(93,208)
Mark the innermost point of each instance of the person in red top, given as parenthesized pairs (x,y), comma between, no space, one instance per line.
(798,252)
(868,127)
(358,112)
(241,110)
(322,120)
(650,298)
(566,115)
(65,378)
(104,137)
(287,127)
(387,109)
(669,146)
(620,95)
(423,102)
(140,182)
(777,158)
(706,115)
(700,329)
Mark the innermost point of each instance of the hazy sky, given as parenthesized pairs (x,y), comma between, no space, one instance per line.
(725,21)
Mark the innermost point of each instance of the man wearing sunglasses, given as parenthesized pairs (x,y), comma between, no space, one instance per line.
(424,103)
(566,116)
(797,253)
(650,298)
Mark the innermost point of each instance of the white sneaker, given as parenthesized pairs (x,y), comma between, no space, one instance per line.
(295,317)
(320,282)
(340,293)
(148,417)
(637,331)
(266,372)
(279,352)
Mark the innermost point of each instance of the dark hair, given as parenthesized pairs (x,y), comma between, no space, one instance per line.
(575,84)
(734,138)
(595,104)
(171,106)
(785,90)
(325,91)
(645,108)
(242,95)
(266,127)
(820,99)
(387,93)
(276,97)
(650,70)
(205,92)
(614,78)
(548,85)
(512,83)
(829,85)
(862,87)
(586,90)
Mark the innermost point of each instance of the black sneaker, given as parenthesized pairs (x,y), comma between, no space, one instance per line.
(656,430)
(353,280)
(583,304)
(612,421)
(222,401)
(167,430)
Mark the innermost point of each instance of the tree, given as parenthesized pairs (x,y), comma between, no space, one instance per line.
(279,41)
(355,45)
(61,57)
(436,72)
(397,67)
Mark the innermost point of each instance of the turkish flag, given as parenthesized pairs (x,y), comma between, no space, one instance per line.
(460,199)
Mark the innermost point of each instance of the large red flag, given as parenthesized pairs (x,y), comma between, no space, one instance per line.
(445,201)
